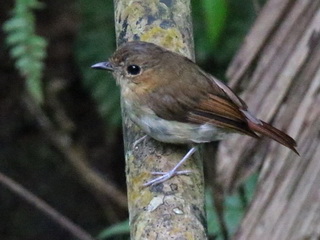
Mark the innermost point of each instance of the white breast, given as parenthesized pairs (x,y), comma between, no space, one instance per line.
(172,131)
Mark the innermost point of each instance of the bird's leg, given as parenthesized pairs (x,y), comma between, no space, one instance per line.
(167,175)
(139,141)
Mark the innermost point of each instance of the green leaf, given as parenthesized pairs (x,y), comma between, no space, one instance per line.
(15,23)
(215,13)
(18,51)
(38,42)
(118,229)
(16,37)
(23,64)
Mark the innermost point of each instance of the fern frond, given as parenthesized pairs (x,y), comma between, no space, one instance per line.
(27,48)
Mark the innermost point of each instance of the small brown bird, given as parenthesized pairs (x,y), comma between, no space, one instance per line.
(175,101)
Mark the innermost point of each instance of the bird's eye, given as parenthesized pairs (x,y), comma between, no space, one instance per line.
(133,69)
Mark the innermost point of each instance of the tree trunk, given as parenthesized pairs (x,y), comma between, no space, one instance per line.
(281,57)
(173,209)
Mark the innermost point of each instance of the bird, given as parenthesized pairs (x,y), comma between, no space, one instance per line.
(174,101)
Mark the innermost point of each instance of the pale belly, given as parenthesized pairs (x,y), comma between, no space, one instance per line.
(176,132)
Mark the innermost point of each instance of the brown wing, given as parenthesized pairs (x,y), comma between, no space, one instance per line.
(220,112)
(190,95)
(196,97)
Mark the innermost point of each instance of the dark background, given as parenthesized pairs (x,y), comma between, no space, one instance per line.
(80,33)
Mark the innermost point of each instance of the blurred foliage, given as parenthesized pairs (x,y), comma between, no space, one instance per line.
(95,43)
(215,14)
(25,46)
(235,208)
(226,24)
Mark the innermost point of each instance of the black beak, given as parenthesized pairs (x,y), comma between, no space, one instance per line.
(103,66)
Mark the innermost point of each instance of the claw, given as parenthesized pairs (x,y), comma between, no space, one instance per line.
(173,172)
(139,141)
(183,172)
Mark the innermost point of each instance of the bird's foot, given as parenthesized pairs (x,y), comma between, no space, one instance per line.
(173,172)
(165,176)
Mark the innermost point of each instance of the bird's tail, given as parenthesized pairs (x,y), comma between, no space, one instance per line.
(273,133)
